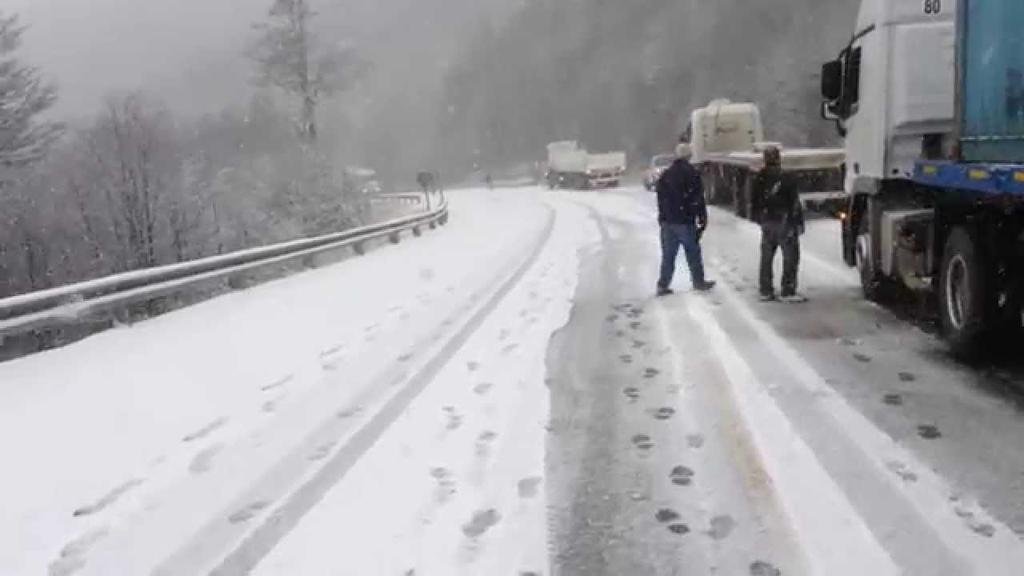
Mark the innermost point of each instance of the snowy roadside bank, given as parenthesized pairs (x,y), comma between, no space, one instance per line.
(184,410)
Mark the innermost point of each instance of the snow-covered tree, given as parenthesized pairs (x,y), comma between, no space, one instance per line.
(288,57)
(24,138)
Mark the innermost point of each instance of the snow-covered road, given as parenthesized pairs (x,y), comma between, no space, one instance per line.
(504,396)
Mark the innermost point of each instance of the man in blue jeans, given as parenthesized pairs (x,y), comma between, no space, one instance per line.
(683,216)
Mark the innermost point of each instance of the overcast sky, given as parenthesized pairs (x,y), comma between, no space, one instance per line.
(186,50)
(191,52)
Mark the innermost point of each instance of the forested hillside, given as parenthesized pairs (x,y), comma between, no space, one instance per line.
(625,74)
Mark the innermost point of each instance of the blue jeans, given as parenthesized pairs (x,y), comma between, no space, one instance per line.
(672,236)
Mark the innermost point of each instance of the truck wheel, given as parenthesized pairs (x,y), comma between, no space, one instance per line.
(876,288)
(740,193)
(552,181)
(962,289)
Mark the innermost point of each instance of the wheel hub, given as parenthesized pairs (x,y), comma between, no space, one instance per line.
(863,254)
(957,292)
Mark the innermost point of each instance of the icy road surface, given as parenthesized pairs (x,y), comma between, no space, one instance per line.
(504,396)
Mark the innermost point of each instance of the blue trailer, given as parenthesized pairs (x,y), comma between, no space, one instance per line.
(930,97)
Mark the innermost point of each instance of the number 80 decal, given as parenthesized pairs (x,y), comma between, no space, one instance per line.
(933,7)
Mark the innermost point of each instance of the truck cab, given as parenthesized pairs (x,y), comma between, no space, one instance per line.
(723,126)
(891,94)
(929,95)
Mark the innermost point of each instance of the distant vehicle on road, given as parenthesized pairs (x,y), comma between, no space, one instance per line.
(728,144)
(570,166)
(659,164)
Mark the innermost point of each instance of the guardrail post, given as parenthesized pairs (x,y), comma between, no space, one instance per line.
(359,248)
(394,237)
(416,231)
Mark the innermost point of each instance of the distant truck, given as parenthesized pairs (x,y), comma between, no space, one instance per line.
(728,144)
(570,166)
(929,96)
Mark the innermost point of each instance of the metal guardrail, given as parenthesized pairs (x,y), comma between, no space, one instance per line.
(65,305)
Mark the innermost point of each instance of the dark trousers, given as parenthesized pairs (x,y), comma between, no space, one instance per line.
(773,237)
(672,237)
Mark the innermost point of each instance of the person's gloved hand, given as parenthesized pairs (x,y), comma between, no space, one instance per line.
(702,226)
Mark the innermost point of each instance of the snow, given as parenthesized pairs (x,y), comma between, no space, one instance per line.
(387,414)
(152,422)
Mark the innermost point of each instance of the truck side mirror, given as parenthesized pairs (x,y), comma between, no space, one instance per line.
(832,80)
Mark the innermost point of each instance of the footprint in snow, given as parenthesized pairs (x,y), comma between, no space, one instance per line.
(695,441)
(721,527)
(270,406)
(482,388)
(108,499)
(638,344)
(483,442)
(666,515)
(611,318)
(453,418)
(679,529)
(349,413)
(900,469)
(626,358)
(472,366)
(681,476)
(762,568)
(664,413)
(643,442)
(528,487)
(72,555)
(203,461)
(651,373)
(907,377)
(322,452)
(929,432)
(631,393)
(247,513)
(893,399)
(862,358)
(277,384)
(205,430)
(481,522)
(445,484)
(332,351)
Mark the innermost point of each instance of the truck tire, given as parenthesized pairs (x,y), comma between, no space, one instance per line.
(962,293)
(741,185)
(553,179)
(876,288)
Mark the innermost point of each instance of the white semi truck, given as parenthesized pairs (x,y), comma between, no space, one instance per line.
(929,95)
(728,144)
(570,166)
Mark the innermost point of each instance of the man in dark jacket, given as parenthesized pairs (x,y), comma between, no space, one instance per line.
(776,206)
(683,217)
